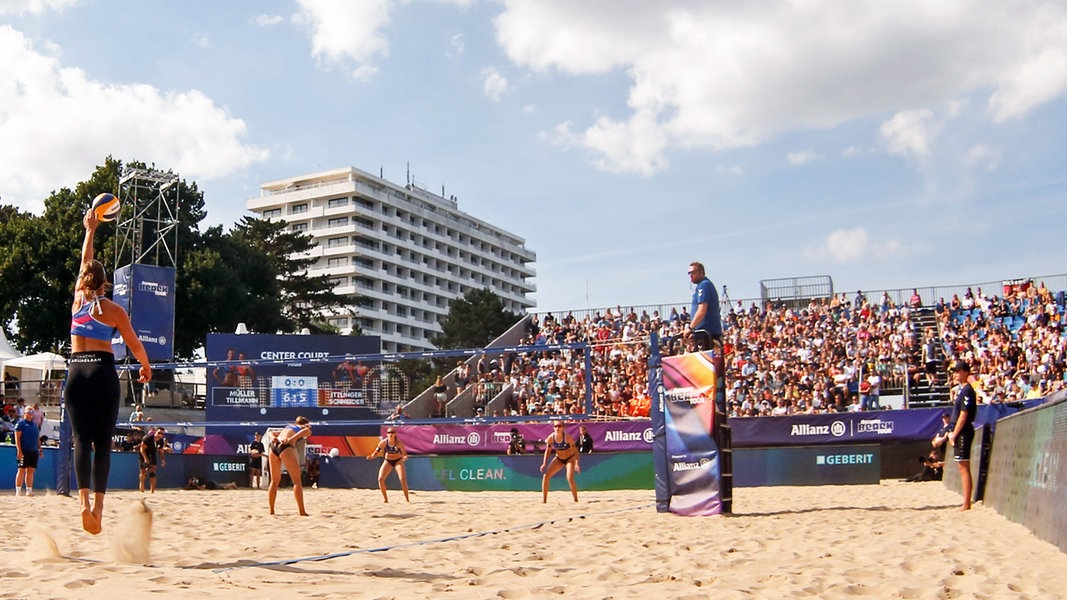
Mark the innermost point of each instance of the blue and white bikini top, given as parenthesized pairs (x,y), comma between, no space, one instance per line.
(389,449)
(564,445)
(84,324)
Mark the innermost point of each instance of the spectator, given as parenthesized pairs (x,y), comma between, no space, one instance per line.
(516,443)
(27,452)
(585,441)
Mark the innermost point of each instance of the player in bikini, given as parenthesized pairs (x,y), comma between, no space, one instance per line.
(394,452)
(562,444)
(282,451)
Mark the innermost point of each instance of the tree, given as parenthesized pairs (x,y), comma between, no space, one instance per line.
(474,320)
(41,261)
(303,298)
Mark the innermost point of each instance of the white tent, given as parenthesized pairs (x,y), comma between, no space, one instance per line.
(45,361)
(38,377)
(6,351)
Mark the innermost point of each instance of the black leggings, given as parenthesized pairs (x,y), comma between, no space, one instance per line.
(92,401)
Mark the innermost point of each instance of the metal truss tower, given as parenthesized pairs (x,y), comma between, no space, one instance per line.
(148,234)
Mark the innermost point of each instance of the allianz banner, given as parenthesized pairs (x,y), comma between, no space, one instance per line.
(146,293)
(840,428)
(622,436)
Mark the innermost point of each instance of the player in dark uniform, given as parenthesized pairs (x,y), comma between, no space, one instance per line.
(964,409)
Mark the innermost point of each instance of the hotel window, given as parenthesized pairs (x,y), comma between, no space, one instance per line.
(272,213)
(337,202)
(337,222)
(336,241)
(337,261)
(299,227)
(297,209)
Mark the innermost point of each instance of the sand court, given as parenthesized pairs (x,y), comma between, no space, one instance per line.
(892,540)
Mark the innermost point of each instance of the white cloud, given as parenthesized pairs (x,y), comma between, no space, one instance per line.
(983,157)
(343,32)
(910,133)
(803,157)
(267,20)
(200,40)
(76,122)
(458,44)
(494,84)
(728,169)
(634,146)
(848,246)
(35,7)
(724,75)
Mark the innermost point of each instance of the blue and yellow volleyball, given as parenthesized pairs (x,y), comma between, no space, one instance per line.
(106,206)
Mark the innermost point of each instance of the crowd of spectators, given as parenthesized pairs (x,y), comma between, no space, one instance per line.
(833,355)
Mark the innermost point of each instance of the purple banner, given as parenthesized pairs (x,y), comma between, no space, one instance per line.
(805,430)
(624,436)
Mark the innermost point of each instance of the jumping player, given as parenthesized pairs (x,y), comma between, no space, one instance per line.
(92,392)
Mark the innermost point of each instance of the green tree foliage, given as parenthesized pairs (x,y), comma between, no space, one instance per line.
(40,262)
(248,275)
(474,320)
(287,255)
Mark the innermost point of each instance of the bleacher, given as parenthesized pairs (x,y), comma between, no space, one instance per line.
(892,333)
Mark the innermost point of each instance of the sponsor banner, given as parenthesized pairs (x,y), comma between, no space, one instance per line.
(1027,477)
(493,473)
(806,465)
(693,473)
(146,293)
(624,436)
(839,428)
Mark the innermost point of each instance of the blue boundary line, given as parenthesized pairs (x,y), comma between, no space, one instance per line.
(323,557)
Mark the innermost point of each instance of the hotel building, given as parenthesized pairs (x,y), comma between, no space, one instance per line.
(401,252)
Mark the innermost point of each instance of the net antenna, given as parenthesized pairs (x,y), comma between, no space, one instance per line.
(149,233)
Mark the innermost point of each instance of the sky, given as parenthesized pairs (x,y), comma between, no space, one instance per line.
(884,144)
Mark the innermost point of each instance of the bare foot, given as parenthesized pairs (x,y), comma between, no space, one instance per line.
(90,522)
(304,514)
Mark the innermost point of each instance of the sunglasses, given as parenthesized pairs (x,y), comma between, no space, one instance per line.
(391,432)
(557,426)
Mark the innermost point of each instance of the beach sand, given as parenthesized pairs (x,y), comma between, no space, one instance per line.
(893,540)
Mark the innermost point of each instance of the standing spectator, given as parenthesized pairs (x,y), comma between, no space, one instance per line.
(705,305)
(585,441)
(255,462)
(28,450)
(964,409)
(440,395)
(38,415)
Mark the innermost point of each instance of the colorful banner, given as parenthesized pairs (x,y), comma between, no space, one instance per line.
(622,436)
(687,395)
(146,293)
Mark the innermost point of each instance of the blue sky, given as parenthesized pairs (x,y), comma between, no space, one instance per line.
(887,145)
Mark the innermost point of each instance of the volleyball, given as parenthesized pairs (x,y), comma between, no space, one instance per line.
(334,452)
(106,207)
